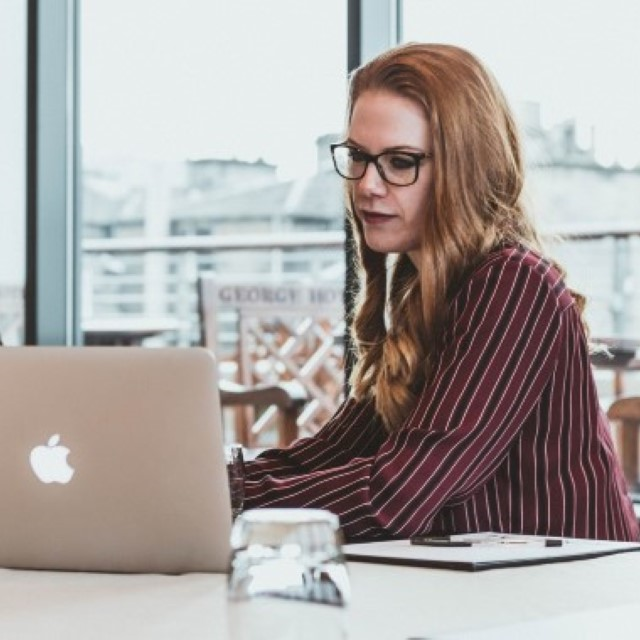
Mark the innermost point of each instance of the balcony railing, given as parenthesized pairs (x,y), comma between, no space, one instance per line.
(156,277)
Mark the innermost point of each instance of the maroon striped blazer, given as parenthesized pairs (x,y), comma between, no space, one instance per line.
(507,436)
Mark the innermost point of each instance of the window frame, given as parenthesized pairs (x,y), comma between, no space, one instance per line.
(53,248)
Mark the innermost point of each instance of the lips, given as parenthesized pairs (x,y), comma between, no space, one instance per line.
(375,217)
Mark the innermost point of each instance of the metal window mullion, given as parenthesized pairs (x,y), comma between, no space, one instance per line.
(52,225)
(380,26)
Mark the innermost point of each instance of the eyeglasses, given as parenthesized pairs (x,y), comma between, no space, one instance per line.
(399,168)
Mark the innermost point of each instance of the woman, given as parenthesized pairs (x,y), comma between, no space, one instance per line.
(473,405)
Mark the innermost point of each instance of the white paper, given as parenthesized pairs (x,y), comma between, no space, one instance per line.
(488,550)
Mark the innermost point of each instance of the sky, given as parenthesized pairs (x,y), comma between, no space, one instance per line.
(578,58)
(244,79)
(251,78)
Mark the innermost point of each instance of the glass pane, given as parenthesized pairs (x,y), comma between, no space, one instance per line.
(13,74)
(205,129)
(566,68)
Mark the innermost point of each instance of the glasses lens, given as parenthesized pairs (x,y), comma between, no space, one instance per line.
(395,167)
(400,169)
(349,162)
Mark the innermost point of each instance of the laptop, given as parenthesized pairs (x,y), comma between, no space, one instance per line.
(111,460)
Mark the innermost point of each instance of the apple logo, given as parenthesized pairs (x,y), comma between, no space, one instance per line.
(49,462)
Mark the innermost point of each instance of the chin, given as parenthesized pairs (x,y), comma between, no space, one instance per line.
(384,246)
(380,247)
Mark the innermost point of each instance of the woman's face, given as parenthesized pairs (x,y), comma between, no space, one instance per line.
(392,217)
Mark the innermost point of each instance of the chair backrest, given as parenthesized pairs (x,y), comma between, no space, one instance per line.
(624,413)
(270,333)
(626,409)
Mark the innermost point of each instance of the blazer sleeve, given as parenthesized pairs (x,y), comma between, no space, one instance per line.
(353,431)
(499,356)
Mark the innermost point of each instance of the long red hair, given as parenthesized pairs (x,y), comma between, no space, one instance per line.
(475,205)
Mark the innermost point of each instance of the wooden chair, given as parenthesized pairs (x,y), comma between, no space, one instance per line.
(619,358)
(287,399)
(282,341)
(625,413)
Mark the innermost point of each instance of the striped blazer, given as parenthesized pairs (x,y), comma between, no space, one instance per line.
(508,434)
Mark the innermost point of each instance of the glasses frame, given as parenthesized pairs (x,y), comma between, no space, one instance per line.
(371,158)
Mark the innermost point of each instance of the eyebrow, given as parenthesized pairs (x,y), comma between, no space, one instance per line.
(399,147)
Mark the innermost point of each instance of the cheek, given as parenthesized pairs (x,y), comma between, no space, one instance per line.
(423,198)
(416,207)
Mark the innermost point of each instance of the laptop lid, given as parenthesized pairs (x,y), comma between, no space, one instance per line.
(111,459)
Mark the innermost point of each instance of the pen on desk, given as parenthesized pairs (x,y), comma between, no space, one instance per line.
(439,541)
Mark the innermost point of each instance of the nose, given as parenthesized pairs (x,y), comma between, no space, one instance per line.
(371,182)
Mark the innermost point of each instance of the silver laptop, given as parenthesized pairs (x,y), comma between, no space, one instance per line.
(111,459)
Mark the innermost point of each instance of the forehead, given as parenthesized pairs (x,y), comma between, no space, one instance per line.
(381,119)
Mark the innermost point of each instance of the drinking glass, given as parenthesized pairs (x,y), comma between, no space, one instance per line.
(235,470)
(288,578)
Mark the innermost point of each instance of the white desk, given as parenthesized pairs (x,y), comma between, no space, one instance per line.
(586,599)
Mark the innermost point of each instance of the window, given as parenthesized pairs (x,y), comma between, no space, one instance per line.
(13,69)
(207,121)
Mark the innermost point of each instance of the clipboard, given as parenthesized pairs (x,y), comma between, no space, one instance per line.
(486,550)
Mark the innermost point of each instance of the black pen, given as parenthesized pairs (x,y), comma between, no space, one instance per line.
(439,541)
